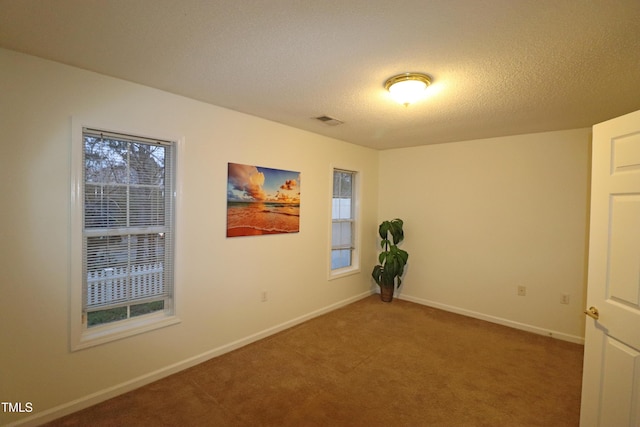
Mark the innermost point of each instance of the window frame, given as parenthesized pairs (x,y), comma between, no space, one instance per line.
(355,220)
(82,336)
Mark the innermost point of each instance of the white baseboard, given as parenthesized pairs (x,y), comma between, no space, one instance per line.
(493,319)
(110,392)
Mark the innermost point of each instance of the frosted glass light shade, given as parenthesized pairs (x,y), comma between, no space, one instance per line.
(408,88)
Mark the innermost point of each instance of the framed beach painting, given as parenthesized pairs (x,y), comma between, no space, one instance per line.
(262,201)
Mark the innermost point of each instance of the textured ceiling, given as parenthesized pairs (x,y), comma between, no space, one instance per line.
(500,67)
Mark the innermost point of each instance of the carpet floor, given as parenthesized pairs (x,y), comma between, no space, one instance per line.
(367,364)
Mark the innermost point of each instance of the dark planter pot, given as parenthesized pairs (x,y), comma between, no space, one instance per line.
(386,293)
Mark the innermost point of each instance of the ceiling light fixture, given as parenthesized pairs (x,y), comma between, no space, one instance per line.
(407,88)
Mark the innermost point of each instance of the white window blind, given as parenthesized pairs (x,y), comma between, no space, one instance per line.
(128,226)
(343,219)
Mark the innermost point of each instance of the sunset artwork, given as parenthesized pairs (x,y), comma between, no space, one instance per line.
(262,201)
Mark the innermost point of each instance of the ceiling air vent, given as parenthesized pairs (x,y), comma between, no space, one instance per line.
(329,121)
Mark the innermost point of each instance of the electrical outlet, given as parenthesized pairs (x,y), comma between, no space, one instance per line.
(564,299)
(522,291)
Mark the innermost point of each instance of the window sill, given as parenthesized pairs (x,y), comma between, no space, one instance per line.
(343,272)
(103,334)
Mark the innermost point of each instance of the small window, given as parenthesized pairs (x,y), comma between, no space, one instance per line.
(343,220)
(127,222)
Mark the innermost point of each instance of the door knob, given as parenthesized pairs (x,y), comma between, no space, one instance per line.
(593,313)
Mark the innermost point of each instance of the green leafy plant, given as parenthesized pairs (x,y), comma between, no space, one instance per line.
(392,259)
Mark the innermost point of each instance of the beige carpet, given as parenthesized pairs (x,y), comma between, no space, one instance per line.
(367,364)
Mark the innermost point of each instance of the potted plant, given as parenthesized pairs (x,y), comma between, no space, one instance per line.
(388,274)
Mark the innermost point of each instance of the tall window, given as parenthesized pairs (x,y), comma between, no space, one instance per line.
(343,219)
(128,228)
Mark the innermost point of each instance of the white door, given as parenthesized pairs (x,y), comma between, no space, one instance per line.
(611,377)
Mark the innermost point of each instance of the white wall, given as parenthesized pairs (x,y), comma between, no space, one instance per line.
(219,280)
(482,217)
